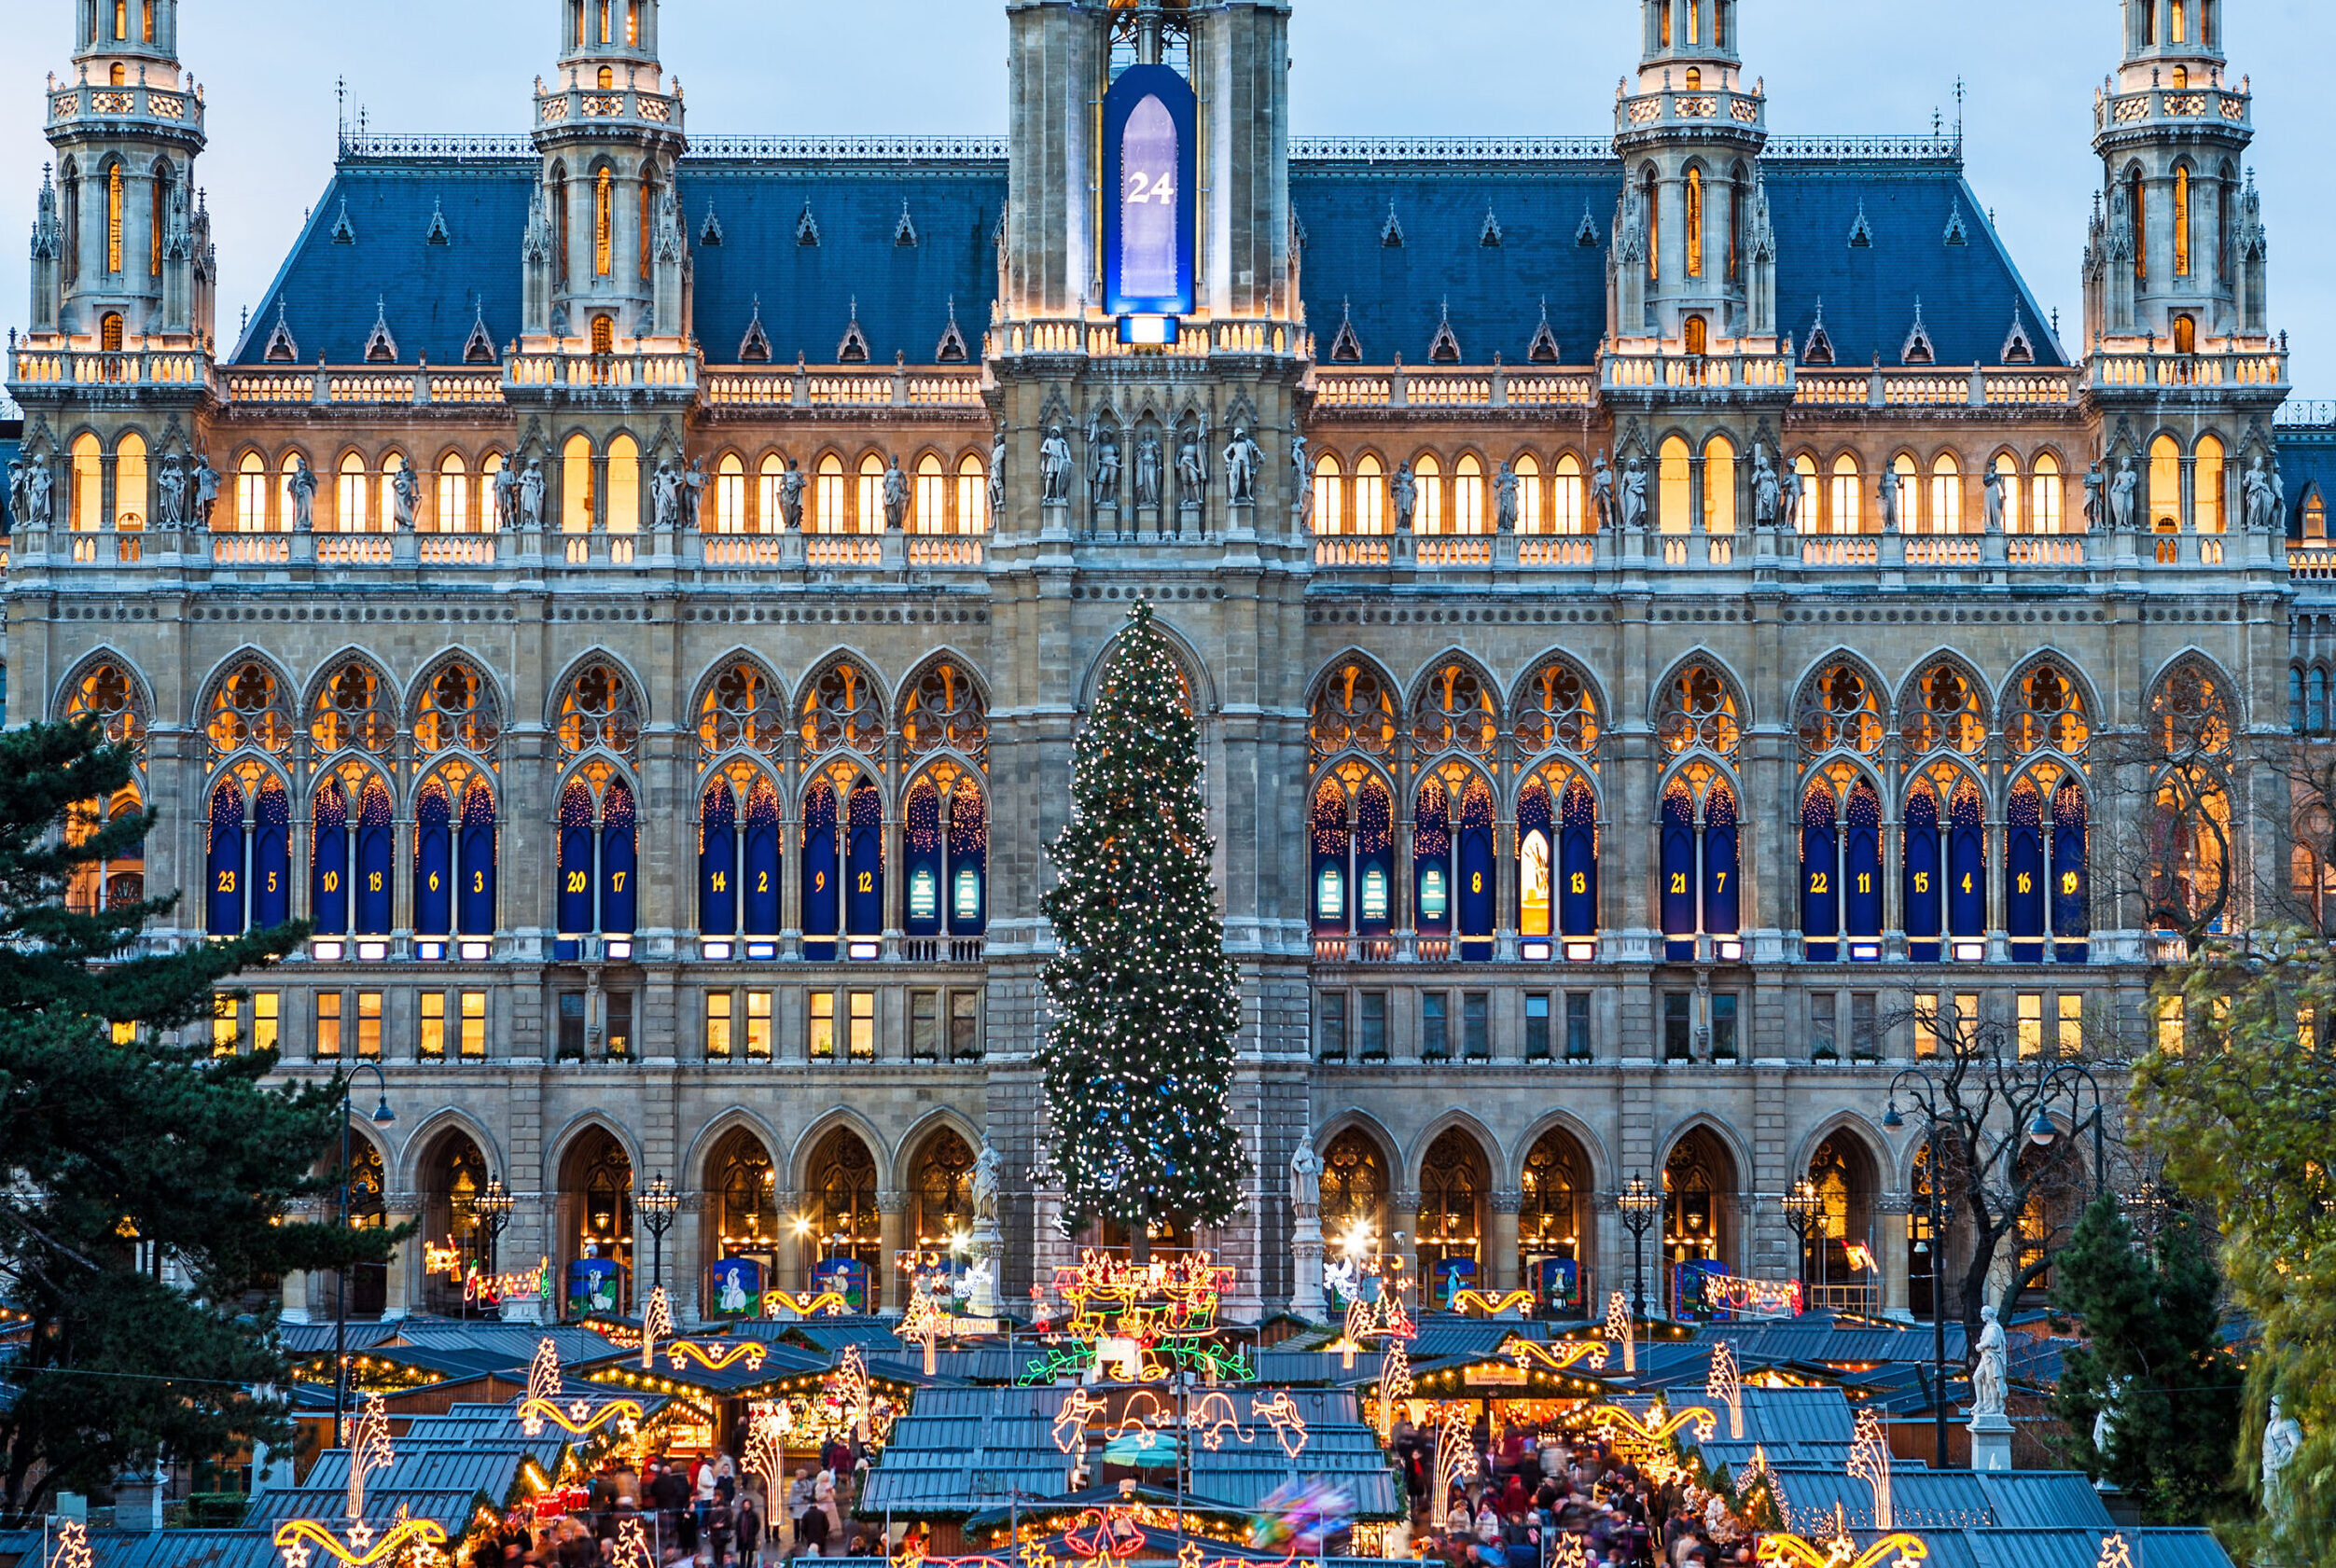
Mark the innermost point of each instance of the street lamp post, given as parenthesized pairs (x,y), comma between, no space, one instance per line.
(1801,1205)
(2043,1132)
(492,1212)
(657,1206)
(382,1116)
(1638,1205)
(1925,1101)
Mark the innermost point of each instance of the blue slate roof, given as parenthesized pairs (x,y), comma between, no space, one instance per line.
(430,294)
(163,1548)
(2307,466)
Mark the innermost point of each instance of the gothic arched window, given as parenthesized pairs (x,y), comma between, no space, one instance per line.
(1945,712)
(458,708)
(945,711)
(844,709)
(1840,710)
(1453,1180)
(1352,708)
(1353,1191)
(1699,710)
(742,708)
(1455,712)
(109,694)
(2050,713)
(599,854)
(1556,711)
(844,1194)
(942,1191)
(248,709)
(1552,1220)
(599,710)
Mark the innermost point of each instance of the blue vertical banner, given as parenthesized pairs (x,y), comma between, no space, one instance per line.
(271,856)
(1151,163)
(328,855)
(224,862)
(1820,893)
(1924,921)
(2072,914)
(1578,859)
(434,862)
(477,874)
(718,861)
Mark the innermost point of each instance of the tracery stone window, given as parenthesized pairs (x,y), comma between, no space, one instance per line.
(2190,842)
(1945,712)
(1456,713)
(843,1185)
(2192,713)
(1556,1189)
(1354,1189)
(1453,1188)
(748,1186)
(842,709)
(945,712)
(351,712)
(1840,711)
(248,709)
(742,708)
(459,708)
(1699,710)
(942,1192)
(1352,709)
(1558,711)
(2050,713)
(599,710)
(107,692)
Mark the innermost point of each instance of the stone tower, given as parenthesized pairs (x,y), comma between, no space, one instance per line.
(1147,348)
(606,254)
(2177,251)
(121,253)
(1693,259)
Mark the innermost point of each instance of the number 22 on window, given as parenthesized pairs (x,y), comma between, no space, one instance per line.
(1142,188)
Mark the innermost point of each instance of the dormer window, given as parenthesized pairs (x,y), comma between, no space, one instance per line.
(607,77)
(119,75)
(1694,80)
(2181,78)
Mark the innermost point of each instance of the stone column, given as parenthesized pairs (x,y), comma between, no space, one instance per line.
(892,1209)
(1500,1237)
(1402,1239)
(406,1261)
(1897,1285)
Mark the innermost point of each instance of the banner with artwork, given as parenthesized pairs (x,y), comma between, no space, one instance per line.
(595,1286)
(736,1288)
(1558,1282)
(1693,1292)
(846,1277)
(1452,1276)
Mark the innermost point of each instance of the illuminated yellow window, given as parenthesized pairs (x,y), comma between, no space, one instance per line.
(2071,1026)
(2181,212)
(1694,218)
(112,219)
(2008,486)
(1925,1026)
(89,484)
(932,497)
(973,498)
(1430,519)
(1565,509)
(2170,1026)
(224,1024)
(109,332)
(823,1026)
(576,486)
(1467,496)
(125,1033)
(1946,495)
(604,224)
(729,496)
(1848,496)
(1719,486)
(717,1025)
(632,24)
(827,509)
(433,1042)
(624,486)
(863,1026)
(2031,1026)
(453,495)
(2044,496)
(328,1024)
(2307,1033)
(2165,485)
(770,516)
(1370,496)
(648,248)
(758,1026)
(1329,496)
(474,1045)
(368,1026)
(1529,516)
(251,495)
(871,494)
(122,20)
(1672,486)
(2206,484)
(267,1019)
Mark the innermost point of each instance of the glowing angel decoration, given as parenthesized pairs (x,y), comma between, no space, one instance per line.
(1070,1422)
(655,1318)
(1619,1327)
(1726,1385)
(1281,1413)
(1869,1462)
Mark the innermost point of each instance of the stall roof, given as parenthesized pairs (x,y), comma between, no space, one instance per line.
(2081,1547)
(1809,1494)
(493,1468)
(163,1548)
(450,1508)
(778,1362)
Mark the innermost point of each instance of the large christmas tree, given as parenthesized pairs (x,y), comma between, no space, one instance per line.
(1139,1056)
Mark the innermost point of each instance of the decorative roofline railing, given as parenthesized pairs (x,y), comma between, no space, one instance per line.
(2305,413)
(1450,149)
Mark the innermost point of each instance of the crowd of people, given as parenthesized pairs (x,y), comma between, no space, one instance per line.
(1527,1487)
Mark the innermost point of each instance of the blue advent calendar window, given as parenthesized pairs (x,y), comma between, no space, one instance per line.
(1150,227)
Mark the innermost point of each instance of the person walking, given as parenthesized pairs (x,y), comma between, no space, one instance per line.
(750,1530)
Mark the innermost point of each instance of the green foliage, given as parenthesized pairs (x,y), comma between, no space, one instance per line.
(119,1152)
(2242,1111)
(2154,1357)
(1138,1058)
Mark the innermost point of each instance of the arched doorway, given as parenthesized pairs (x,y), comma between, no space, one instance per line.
(1353,1195)
(368,1282)
(741,1189)
(453,1176)
(940,1196)
(1454,1181)
(596,1215)
(1699,1186)
(1842,1172)
(849,1231)
(1553,1224)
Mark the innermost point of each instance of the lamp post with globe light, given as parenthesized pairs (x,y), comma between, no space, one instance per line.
(382,1116)
(1638,1205)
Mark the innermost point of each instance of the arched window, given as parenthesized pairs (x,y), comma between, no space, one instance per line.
(2137,196)
(1944,712)
(2165,485)
(458,708)
(1566,509)
(1557,864)
(942,1193)
(1908,496)
(2186,334)
(624,486)
(249,710)
(1695,238)
(729,496)
(748,1213)
(130,482)
(1529,516)
(841,709)
(599,709)
(2008,487)
(1329,497)
(973,498)
(1699,710)
(453,497)
(576,486)
(1352,708)
(223,860)
(352,711)
(1371,498)
(1841,867)
(946,836)
(869,515)
(1430,515)
(2181,212)
(770,516)
(247,869)
(113,218)
(2295,698)
(2315,515)
(822,871)
(1672,487)
(1719,486)
(827,510)
(1696,333)
(1454,1186)
(1966,871)
(1354,1193)
(1840,710)
(1651,198)
(944,709)
(843,865)
(1699,855)
(742,708)
(89,484)
(1353,863)
(599,854)
(1806,510)
(1553,1223)
(251,495)
(2206,486)
(2044,496)
(1455,712)
(932,497)
(1431,859)
(110,330)
(1946,495)
(2315,709)
(738,860)
(851,1231)
(454,856)
(1848,496)
(966,811)
(1467,496)
(604,227)
(350,493)
(287,508)
(604,333)
(2050,716)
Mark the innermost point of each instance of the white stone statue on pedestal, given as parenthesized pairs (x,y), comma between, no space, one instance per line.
(1991,1373)
(2282,1437)
(989,1243)
(1305,1198)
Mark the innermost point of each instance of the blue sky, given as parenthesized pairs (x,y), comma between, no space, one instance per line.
(1457,67)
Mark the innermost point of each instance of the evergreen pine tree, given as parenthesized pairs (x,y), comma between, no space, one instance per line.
(2153,1355)
(120,1150)
(1138,1058)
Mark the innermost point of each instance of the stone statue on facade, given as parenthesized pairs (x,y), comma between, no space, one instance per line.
(1796,492)
(1301,477)
(531,497)
(506,483)
(1406,497)
(172,482)
(1991,499)
(2095,486)
(896,498)
(1602,493)
(1103,455)
(1506,490)
(2124,492)
(2261,493)
(2282,1437)
(302,487)
(997,482)
(1635,495)
(665,496)
(791,497)
(205,484)
(1991,1374)
(1305,1179)
(405,496)
(1054,468)
(1149,468)
(986,1166)
(20,488)
(1192,465)
(1887,493)
(1767,494)
(693,487)
(1243,459)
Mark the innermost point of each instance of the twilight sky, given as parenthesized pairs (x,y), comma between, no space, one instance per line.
(1454,68)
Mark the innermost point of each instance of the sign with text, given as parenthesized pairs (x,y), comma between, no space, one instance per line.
(1150,220)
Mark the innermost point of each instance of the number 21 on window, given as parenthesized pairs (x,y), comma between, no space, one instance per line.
(1143,189)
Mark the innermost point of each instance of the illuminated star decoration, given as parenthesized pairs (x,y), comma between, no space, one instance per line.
(1395,1382)
(716,1358)
(1782,1550)
(655,1318)
(1619,1327)
(1190,1554)
(543,1387)
(1869,1462)
(767,1429)
(1456,1457)
(73,1545)
(2115,1553)
(1726,1384)
(1559,1357)
(632,1546)
(369,1450)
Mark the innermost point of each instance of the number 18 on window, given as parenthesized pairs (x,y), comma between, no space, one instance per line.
(1148,223)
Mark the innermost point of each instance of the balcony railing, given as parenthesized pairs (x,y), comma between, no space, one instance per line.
(1622,555)
(133,367)
(2266,368)
(165,107)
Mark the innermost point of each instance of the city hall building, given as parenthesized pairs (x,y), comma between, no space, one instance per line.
(1673,626)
